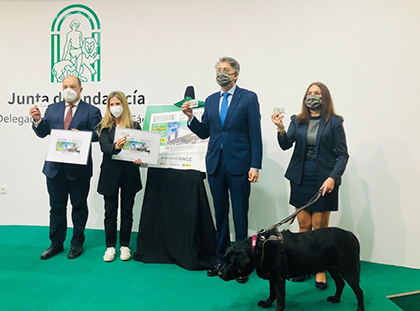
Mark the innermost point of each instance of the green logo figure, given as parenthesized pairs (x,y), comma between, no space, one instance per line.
(76,44)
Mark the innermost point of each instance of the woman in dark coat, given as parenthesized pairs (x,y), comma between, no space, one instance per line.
(318,161)
(116,175)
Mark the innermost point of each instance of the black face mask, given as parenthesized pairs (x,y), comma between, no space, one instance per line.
(313,102)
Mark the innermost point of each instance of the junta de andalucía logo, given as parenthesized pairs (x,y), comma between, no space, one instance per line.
(76,44)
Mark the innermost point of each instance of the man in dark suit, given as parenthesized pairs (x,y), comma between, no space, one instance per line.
(232,120)
(67,179)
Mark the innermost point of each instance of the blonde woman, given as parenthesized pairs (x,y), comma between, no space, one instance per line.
(117,175)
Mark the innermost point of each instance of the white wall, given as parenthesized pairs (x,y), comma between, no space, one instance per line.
(367,52)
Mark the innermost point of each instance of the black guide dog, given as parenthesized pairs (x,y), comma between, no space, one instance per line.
(280,256)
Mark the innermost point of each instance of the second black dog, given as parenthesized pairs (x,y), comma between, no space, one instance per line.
(280,256)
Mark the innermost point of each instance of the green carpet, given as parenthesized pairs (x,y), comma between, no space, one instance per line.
(88,283)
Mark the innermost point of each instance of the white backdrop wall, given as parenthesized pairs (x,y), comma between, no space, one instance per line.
(366,52)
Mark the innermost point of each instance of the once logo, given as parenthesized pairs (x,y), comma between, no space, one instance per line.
(76,44)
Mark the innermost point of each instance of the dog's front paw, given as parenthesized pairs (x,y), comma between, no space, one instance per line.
(265,303)
(333,299)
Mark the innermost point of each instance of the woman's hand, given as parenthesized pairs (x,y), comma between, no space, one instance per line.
(277,119)
(138,161)
(120,143)
(327,186)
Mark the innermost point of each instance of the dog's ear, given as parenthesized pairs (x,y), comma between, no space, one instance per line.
(227,253)
(242,262)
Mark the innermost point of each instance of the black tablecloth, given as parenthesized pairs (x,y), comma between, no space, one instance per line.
(176,225)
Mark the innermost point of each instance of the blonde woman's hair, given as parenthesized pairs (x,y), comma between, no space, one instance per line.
(108,120)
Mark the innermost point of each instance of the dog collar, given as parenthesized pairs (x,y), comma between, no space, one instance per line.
(254,242)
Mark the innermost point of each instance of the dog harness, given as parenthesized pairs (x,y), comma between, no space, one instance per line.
(278,238)
(287,221)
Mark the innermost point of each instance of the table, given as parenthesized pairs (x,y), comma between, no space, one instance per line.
(176,225)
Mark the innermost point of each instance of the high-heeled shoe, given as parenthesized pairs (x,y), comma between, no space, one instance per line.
(321,285)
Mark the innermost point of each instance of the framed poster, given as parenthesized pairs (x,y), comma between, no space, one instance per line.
(139,145)
(69,146)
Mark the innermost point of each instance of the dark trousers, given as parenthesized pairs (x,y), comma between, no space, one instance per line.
(221,183)
(59,189)
(110,222)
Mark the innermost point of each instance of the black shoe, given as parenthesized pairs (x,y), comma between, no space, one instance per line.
(242,279)
(300,278)
(51,252)
(75,251)
(215,270)
(321,285)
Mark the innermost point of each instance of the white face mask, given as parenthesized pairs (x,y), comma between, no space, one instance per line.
(69,95)
(116,111)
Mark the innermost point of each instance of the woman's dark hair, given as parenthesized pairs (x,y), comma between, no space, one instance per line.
(327,109)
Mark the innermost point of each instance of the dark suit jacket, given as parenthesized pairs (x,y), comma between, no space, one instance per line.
(109,178)
(331,149)
(240,134)
(85,119)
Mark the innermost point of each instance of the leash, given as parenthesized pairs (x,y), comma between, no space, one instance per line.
(288,221)
(292,217)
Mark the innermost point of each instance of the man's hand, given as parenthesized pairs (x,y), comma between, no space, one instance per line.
(35,113)
(253,175)
(187,110)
